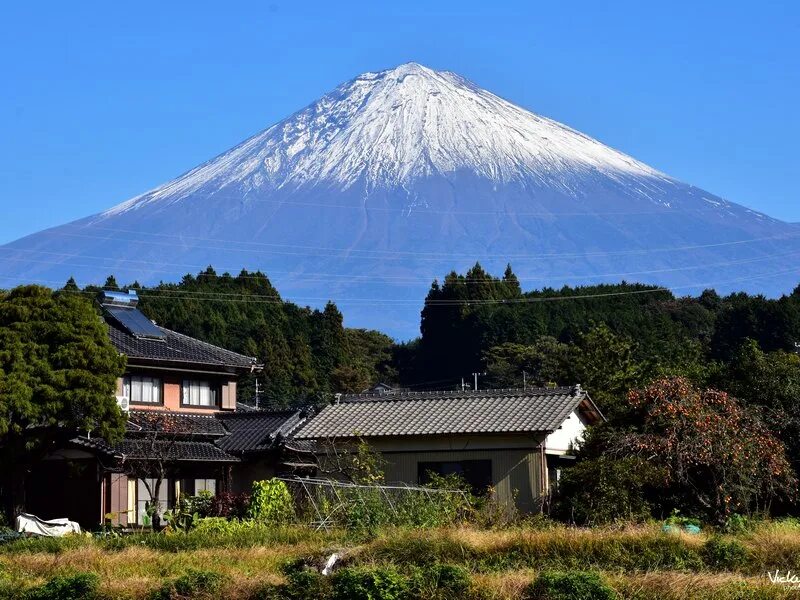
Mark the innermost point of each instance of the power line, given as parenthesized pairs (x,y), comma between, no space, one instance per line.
(257,299)
(312,276)
(429,256)
(422,209)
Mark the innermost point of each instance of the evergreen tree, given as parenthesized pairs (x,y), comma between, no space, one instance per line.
(58,375)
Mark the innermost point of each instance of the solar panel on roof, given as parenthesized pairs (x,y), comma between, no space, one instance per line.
(135,322)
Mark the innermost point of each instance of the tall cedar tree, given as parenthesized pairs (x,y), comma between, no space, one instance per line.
(58,374)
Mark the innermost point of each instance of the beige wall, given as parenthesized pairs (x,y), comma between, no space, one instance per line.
(516,473)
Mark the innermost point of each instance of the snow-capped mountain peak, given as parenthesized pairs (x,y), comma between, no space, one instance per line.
(388,128)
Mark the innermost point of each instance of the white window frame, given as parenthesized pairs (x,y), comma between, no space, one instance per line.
(201,393)
(154,387)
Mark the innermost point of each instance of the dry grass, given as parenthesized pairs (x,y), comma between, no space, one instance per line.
(642,563)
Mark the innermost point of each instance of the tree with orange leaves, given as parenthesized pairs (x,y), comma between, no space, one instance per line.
(716,456)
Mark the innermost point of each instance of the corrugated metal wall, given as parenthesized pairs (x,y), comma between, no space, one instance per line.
(515,473)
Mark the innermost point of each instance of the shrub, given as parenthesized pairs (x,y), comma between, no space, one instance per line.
(82,586)
(738,524)
(441,581)
(725,553)
(193,584)
(570,585)
(230,505)
(605,490)
(376,583)
(302,583)
(271,502)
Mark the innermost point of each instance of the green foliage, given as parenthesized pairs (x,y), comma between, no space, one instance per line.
(369,583)
(58,373)
(770,381)
(544,362)
(441,581)
(605,490)
(193,584)
(725,553)
(605,364)
(82,586)
(302,583)
(188,511)
(271,502)
(570,585)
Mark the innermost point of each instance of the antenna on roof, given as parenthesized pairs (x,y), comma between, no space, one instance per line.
(475,375)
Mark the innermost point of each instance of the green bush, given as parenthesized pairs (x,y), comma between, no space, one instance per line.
(441,582)
(570,585)
(271,502)
(82,586)
(725,553)
(370,583)
(302,583)
(605,490)
(193,584)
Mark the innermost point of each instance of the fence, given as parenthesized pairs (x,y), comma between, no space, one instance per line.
(326,503)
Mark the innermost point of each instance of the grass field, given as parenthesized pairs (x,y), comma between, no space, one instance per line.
(637,563)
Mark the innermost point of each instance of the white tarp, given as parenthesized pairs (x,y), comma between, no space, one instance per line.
(54,528)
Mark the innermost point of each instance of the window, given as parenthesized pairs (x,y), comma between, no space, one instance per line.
(477,473)
(141,389)
(143,499)
(205,485)
(199,393)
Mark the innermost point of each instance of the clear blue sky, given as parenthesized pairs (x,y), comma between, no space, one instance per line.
(102,101)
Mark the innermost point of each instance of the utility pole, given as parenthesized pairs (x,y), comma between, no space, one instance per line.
(463,384)
(524,381)
(257,390)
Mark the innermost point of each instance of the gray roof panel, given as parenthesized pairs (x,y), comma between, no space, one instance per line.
(439,413)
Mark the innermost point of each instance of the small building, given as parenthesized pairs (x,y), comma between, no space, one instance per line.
(184,422)
(512,441)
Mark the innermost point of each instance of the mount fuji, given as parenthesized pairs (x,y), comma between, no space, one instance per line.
(400,176)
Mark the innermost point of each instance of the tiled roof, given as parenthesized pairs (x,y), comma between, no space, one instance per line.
(96,444)
(175,347)
(431,413)
(182,423)
(187,437)
(181,451)
(254,431)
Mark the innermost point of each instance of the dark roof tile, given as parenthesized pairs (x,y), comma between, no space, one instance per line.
(432,413)
(175,347)
(180,451)
(256,430)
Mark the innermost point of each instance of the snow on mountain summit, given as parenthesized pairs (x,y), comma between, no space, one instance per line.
(390,127)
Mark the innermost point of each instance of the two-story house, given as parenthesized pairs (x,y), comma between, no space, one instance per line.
(183,433)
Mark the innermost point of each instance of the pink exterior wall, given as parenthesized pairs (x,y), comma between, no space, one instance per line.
(172,395)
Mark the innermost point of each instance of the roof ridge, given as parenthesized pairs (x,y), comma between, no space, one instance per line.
(253,358)
(435,394)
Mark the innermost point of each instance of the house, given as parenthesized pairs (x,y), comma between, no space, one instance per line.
(513,441)
(184,428)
